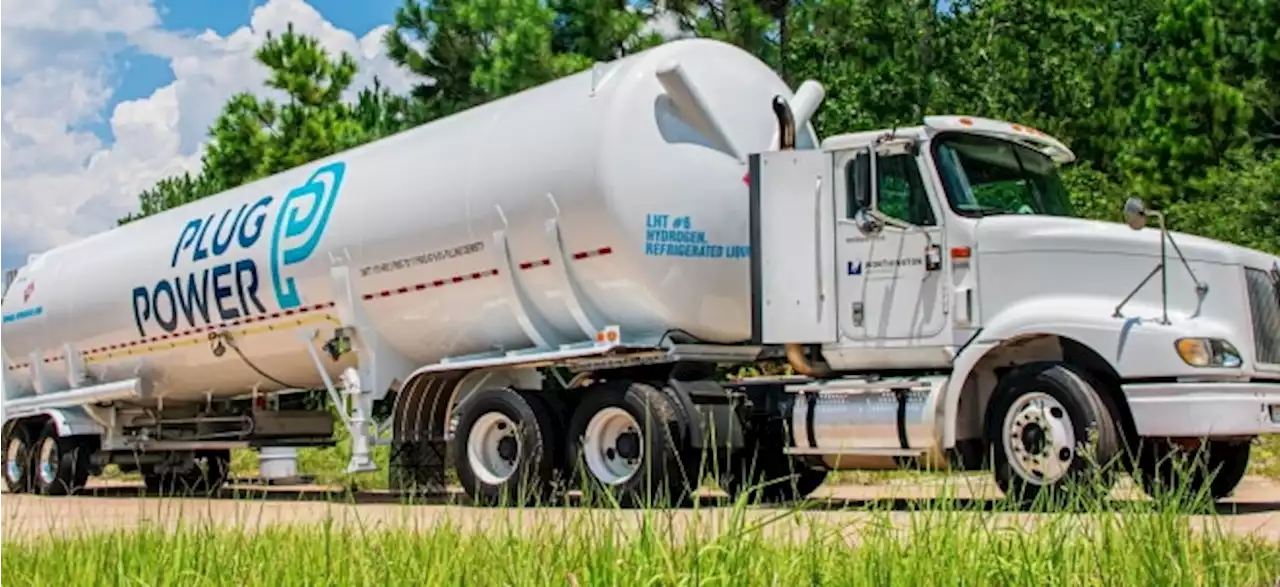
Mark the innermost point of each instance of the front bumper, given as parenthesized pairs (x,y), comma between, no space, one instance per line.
(1205,409)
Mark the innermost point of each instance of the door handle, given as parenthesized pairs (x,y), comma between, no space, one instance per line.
(817,242)
(933,257)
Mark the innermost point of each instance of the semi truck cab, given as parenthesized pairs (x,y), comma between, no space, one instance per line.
(948,253)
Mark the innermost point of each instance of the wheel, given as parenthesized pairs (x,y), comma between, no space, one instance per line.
(1051,432)
(767,474)
(1215,469)
(17,459)
(504,450)
(210,471)
(164,481)
(625,440)
(61,464)
(557,417)
(182,474)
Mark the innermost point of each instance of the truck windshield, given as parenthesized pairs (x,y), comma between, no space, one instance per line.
(984,176)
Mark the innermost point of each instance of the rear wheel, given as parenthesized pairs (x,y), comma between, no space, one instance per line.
(17,459)
(626,442)
(504,449)
(202,473)
(1052,435)
(1214,469)
(61,464)
(768,475)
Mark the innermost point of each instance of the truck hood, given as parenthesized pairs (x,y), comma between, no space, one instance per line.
(1027,234)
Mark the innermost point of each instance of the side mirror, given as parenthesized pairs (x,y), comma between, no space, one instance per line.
(1135,213)
(867,221)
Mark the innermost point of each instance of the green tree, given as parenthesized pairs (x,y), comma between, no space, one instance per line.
(254,137)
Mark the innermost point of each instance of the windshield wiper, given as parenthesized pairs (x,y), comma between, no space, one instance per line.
(983,211)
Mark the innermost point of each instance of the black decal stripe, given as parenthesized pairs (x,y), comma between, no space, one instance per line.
(902,418)
(810,408)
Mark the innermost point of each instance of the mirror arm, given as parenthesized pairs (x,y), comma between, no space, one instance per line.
(1136,214)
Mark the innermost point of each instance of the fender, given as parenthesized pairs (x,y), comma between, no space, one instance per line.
(67,421)
(1134,346)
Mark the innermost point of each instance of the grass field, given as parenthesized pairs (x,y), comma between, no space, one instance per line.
(942,546)
(328,464)
(945,543)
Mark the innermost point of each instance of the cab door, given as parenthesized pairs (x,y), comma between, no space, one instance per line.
(891,282)
(792,252)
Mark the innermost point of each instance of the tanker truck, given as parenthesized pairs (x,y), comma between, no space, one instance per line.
(548,289)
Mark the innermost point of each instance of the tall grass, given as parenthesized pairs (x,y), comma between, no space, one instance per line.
(948,543)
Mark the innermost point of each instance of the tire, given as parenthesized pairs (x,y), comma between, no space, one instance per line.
(1215,469)
(626,442)
(557,417)
(60,464)
(505,449)
(768,475)
(204,474)
(1040,418)
(164,482)
(212,471)
(17,458)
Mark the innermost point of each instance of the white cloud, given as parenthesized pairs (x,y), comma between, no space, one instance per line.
(60,182)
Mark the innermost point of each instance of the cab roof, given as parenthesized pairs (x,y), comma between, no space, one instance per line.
(1010,131)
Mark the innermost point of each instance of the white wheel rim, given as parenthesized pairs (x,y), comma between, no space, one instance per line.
(13,461)
(1039,438)
(613,446)
(492,435)
(48,461)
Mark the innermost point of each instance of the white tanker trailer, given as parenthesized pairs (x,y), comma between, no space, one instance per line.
(575,262)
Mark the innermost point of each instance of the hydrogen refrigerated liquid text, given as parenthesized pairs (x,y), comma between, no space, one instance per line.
(666,236)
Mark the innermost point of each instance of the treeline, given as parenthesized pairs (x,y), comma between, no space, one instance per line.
(1177,101)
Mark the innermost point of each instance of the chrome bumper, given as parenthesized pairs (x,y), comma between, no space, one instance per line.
(1201,409)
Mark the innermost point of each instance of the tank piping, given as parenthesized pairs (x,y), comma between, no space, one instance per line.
(786,142)
(786,124)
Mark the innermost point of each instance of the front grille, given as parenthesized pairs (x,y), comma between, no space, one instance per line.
(1264,305)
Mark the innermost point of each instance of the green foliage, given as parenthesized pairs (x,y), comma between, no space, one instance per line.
(1177,101)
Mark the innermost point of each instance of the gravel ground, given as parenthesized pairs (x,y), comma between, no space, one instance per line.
(1255,509)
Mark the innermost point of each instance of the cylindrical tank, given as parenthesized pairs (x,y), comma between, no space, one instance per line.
(617,203)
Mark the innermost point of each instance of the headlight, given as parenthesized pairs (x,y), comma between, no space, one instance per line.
(1208,352)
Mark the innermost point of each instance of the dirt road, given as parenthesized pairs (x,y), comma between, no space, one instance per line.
(1255,509)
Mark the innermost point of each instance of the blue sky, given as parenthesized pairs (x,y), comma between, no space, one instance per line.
(102,98)
(141,73)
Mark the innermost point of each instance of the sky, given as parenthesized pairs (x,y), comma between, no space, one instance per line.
(102,98)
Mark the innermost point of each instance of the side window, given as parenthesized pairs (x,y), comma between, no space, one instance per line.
(858,179)
(902,192)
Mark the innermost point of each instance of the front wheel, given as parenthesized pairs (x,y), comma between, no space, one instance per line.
(1215,468)
(1051,433)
